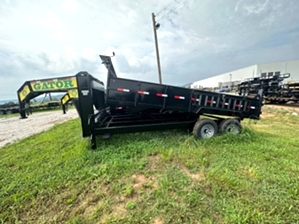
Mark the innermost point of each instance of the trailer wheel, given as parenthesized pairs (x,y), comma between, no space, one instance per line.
(230,125)
(205,128)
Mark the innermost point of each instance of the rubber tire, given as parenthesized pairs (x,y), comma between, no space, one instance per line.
(199,125)
(224,125)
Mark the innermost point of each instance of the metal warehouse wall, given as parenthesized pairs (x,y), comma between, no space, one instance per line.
(291,67)
(236,75)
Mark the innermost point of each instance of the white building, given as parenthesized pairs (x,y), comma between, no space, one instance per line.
(263,70)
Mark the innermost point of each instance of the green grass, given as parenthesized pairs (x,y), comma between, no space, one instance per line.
(159,177)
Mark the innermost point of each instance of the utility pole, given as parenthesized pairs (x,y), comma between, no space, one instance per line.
(155,27)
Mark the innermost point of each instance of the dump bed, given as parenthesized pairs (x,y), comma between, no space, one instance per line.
(134,96)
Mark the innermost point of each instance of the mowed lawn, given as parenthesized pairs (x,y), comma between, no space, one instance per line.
(158,177)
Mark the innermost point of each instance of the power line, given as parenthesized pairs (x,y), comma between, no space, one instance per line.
(155,27)
(164,8)
(174,9)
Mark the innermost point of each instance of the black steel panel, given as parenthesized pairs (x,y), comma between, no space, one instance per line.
(120,98)
(98,99)
(173,100)
(132,98)
(85,106)
(152,99)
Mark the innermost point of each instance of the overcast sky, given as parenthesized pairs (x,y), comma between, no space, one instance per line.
(197,38)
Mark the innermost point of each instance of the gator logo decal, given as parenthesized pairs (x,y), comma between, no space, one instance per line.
(55,84)
(24,92)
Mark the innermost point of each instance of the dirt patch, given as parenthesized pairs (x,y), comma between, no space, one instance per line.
(198,179)
(157,220)
(193,176)
(154,161)
(118,209)
(86,204)
(13,129)
(141,180)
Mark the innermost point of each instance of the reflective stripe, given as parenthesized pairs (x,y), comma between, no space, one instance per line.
(118,108)
(210,101)
(179,97)
(162,95)
(123,90)
(143,92)
(194,99)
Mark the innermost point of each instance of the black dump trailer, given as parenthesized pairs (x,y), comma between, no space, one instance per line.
(127,106)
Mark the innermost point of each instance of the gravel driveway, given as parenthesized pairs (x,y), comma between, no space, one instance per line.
(13,129)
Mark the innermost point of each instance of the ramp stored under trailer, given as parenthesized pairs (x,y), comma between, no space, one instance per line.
(134,106)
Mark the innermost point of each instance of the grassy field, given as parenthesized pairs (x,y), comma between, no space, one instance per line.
(159,177)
